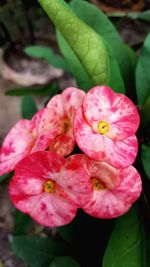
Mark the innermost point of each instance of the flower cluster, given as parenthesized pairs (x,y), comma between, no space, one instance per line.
(50,182)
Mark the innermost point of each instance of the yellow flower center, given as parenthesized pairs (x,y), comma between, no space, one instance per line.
(97,184)
(103,127)
(49,186)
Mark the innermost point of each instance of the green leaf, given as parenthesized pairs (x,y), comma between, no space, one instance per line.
(95,18)
(64,262)
(28,107)
(127,245)
(142,73)
(47,54)
(146,159)
(145,15)
(145,111)
(21,223)
(116,82)
(87,45)
(37,251)
(76,68)
(49,90)
(132,56)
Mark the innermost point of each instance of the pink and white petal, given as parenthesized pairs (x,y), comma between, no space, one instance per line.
(75,180)
(90,143)
(130,186)
(97,103)
(122,129)
(48,126)
(29,180)
(22,184)
(119,154)
(124,118)
(47,209)
(104,204)
(113,203)
(46,122)
(107,174)
(39,165)
(63,144)
(73,97)
(17,144)
(57,106)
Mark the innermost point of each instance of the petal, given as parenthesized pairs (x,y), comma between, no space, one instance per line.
(122,154)
(26,190)
(124,118)
(70,98)
(73,97)
(63,108)
(131,185)
(46,209)
(64,143)
(28,179)
(47,125)
(105,172)
(56,105)
(113,203)
(97,103)
(102,104)
(48,164)
(17,144)
(75,180)
(101,148)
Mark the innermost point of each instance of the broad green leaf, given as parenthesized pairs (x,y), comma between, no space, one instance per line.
(49,90)
(37,251)
(142,73)
(28,107)
(145,114)
(146,159)
(87,45)
(47,54)
(132,56)
(95,18)
(74,63)
(64,262)
(83,11)
(21,223)
(127,245)
(79,73)
(145,15)
(116,81)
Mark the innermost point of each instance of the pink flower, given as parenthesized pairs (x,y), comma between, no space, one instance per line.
(105,126)
(26,137)
(64,107)
(51,127)
(50,188)
(115,190)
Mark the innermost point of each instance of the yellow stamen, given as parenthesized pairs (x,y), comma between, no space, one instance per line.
(49,186)
(97,184)
(103,127)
